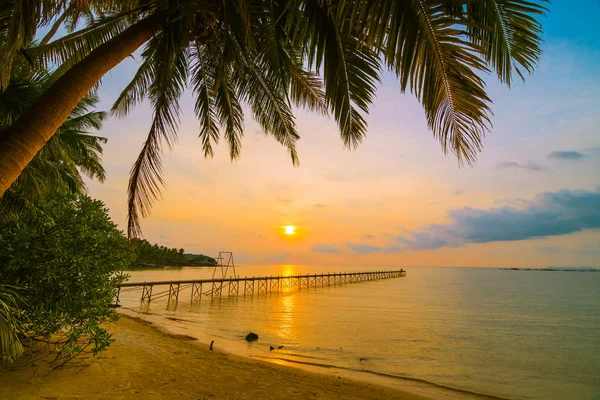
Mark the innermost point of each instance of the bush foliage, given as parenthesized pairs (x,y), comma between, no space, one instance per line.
(66,260)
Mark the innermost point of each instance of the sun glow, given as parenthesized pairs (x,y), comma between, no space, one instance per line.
(289,229)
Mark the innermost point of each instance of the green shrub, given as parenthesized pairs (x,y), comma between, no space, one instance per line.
(66,261)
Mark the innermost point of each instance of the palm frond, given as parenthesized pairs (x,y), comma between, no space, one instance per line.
(229,112)
(284,62)
(442,69)
(431,55)
(350,70)
(269,106)
(203,82)
(508,33)
(169,80)
(12,325)
(137,89)
(306,90)
(72,48)
(226,102)
(18,23)
(145,182)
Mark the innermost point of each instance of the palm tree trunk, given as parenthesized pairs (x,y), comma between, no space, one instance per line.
(20,142)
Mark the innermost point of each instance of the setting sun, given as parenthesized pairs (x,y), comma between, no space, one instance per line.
(289,229)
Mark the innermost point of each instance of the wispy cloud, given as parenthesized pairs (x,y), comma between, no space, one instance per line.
(528,166)
(326,248)
(279,257)
(548,249)
(363,248)
(550,214)
(566,155)
(588,250)
(319,205)
(368,236)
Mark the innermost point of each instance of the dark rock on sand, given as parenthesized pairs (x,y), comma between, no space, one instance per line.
(271,348)
(251,337)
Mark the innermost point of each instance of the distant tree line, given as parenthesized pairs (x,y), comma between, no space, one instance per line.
(150,255)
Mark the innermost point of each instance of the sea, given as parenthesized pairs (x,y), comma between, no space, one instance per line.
(450,333)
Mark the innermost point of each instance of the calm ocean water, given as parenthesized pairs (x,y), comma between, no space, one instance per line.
(445,331)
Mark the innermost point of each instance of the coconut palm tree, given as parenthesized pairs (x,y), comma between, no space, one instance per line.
(326,55)
(71,152)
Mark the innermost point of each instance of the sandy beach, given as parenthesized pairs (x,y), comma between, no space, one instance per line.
(147,362)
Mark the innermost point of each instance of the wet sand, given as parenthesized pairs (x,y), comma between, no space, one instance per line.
(150,363)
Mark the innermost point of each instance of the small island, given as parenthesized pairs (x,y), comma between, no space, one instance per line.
(150,255)
(555,269)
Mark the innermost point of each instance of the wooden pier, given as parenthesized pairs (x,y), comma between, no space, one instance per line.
(238,286)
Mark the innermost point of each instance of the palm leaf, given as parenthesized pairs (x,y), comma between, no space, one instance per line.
(430,53)
(72,48)
(169,79)
(350,70)
(269,106)
(18,23)
(226,102)
(203,78)
(508,33)
(12,326)
(137,88)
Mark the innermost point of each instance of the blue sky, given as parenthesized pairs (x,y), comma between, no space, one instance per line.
(532,198)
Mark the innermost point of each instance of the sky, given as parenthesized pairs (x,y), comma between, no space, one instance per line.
(531,200)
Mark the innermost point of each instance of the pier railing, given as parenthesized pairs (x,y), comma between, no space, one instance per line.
(243,286)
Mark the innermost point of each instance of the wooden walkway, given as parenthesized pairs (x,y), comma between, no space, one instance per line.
(217,288)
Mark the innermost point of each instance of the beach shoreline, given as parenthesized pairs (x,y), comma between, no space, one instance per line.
(150,361)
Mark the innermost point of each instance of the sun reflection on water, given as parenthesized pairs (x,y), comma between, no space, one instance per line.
(287,270)
(287,329)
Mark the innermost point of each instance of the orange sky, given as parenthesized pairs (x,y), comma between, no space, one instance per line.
(397,198)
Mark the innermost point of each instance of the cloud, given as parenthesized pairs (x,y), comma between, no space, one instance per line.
(363,248)
(279,257)
(319,205)
(528,166)
(368,236)
(284,200)
(162,237)
(588,250)
(549,214)
(391,248)
(458,192)
(325,248)
(566,155)
(548,250)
